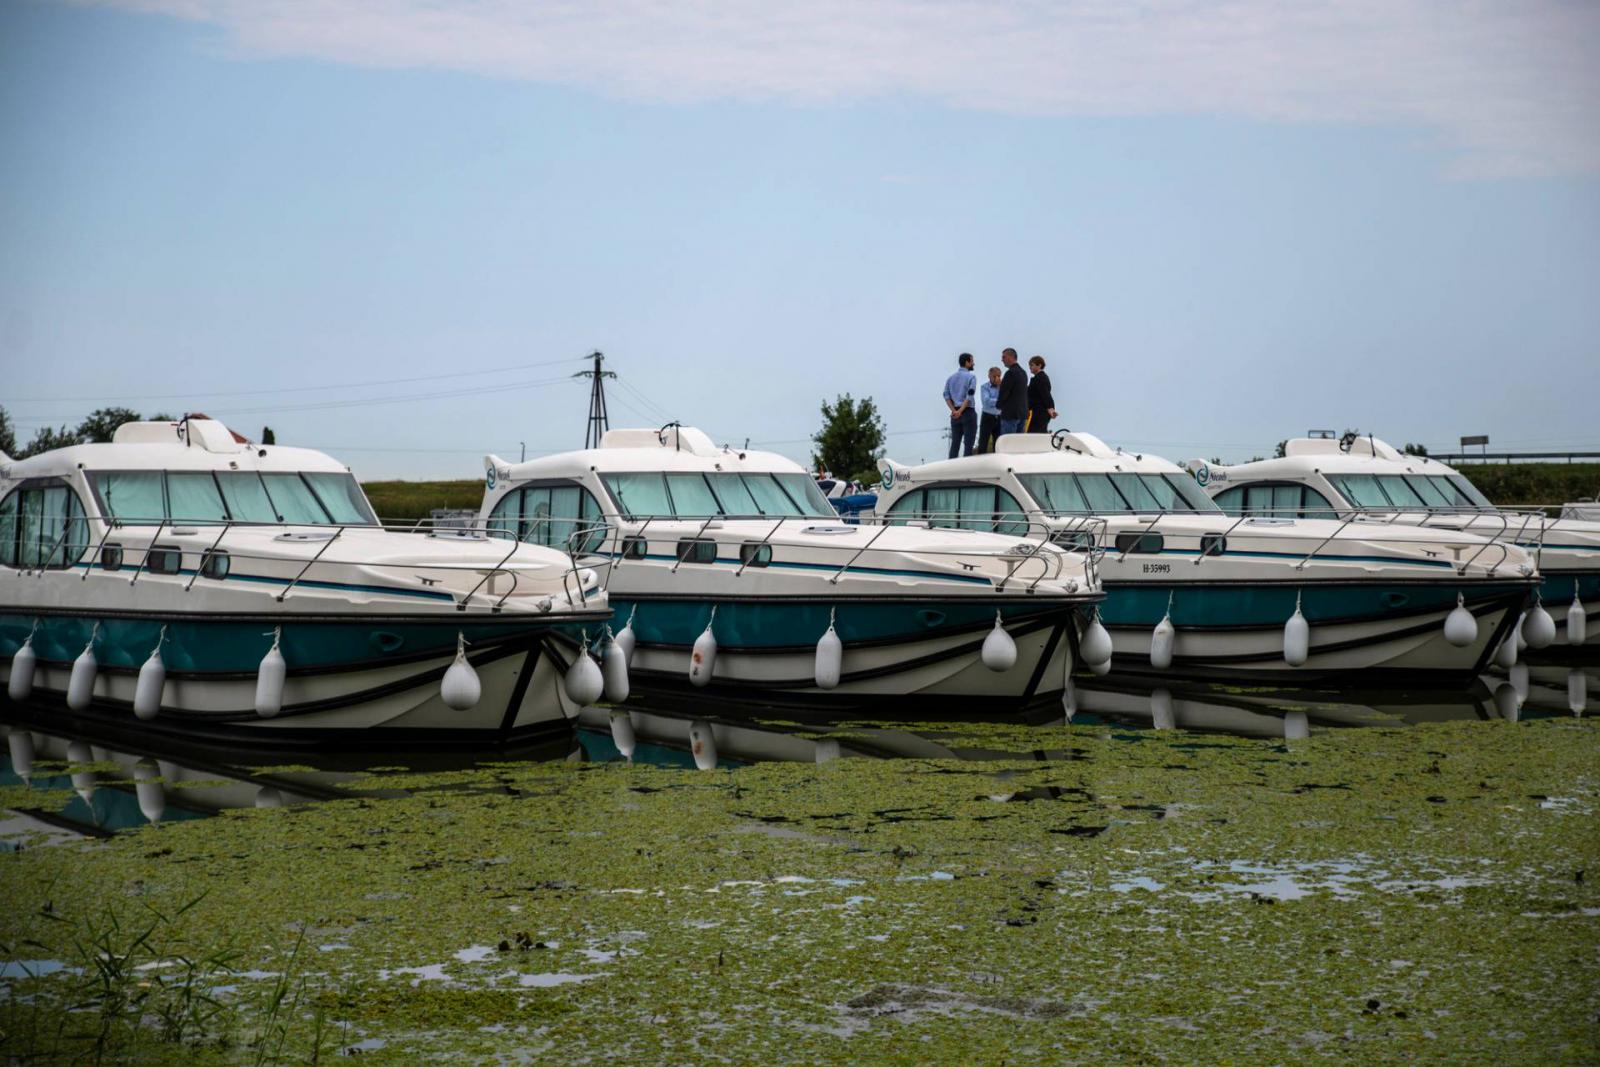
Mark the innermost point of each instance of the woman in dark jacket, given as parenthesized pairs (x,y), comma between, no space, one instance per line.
(1041,402)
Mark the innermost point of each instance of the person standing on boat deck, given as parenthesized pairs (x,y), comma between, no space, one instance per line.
(1013,394)
(1041,402)
(960,390)
(989,405)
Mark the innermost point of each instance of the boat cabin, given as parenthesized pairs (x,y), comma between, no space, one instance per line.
(194,472)
(1324,477)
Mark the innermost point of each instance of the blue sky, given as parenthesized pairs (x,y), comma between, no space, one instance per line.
(1220,225)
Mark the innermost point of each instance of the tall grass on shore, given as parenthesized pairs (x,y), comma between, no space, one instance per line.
(1510,484)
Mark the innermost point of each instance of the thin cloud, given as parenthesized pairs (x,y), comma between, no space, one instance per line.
(1506,89)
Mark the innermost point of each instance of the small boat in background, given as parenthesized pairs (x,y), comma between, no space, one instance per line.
(206,586)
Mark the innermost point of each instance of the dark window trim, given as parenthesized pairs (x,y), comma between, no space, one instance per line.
(693,550)
(163,552)
(755,554)
(50,481)
(215,563)
(635,548)
(1142,542)
(111,557)
(1213,544)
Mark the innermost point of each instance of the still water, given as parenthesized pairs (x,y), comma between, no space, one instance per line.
(1188,873)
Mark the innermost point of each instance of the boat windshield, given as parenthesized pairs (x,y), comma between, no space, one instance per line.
(1107,494)
(1403,491)
(320,498)
(698,495)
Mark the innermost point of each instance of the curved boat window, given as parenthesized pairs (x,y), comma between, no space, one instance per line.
(1362,490)
(1469,491)
(131,496)
(246,497)
(42,525)
(1140,542)
(1431,494)
(193,496)
(152,497)
(755,554)
(963,507)
(1394,486)
(562,516)
(341,497)
(693,495)
(692,498)
(1101,494)
(1280,499)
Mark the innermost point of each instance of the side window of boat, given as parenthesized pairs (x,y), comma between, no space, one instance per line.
(1133,542)
(1315,505)
(1009,516)
(565,517)
(42,525)
(1258,499)
(906,509)
(692,550)
(214,564)
(164,559)
(634,547)
(507,511)
(1231,501)
(755,554)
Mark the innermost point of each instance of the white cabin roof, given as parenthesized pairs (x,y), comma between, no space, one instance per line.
(1305,455)
(673,449)
(158,446)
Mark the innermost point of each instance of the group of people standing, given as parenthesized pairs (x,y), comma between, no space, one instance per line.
(1009,401)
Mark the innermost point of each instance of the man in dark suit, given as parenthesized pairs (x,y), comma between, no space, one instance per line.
(1013,394)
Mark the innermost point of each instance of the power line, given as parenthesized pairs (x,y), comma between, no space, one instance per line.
(297,388)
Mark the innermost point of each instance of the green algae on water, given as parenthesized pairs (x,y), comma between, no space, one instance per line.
(1359,896)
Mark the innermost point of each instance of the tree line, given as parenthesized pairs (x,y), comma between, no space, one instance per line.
(96,428)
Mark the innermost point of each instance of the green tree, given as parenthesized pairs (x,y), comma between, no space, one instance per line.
(1281,451)
(851,439)
(102,424)
(47,439)
(8,434)
(162,417)
(267,436)
(1415,450)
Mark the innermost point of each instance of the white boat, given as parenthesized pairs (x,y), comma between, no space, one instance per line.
(1192,591)
(221,589)
(1365,481)
(728,569)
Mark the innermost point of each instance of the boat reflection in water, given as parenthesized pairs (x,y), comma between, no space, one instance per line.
(121,782)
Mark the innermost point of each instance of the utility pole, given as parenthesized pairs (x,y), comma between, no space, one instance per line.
(599,421)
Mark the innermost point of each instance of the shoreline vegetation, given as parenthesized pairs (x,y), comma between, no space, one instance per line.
(1507,484)
(1079,894)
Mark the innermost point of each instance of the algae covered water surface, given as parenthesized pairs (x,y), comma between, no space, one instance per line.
(1083,894)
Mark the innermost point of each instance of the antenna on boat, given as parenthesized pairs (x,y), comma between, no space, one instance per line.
(599,421)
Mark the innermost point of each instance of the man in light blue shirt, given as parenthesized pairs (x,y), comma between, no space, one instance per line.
(960,390)
(989,405)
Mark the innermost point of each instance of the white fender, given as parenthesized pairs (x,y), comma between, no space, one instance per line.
(80,685)
(585,683)
(1460,626)
(22,667)
(1296,725)
(1538,628)
(1069,701)
(703,745)
(614,671)
(20,745)
(1522,639)
(1161,714)
(1519,681)
(1577,691)
(147,788)
(703,660)
(1095,648)
(830,658)
(1100,669)
(625,640)
(460,688)
(270,677)
(147,693)
(1506,655)
(1296,639)
(1506,702)
(999,651)
(1577,623)
(268,796)
(83,782)
(827,750)
(622,732)
(1162,639)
